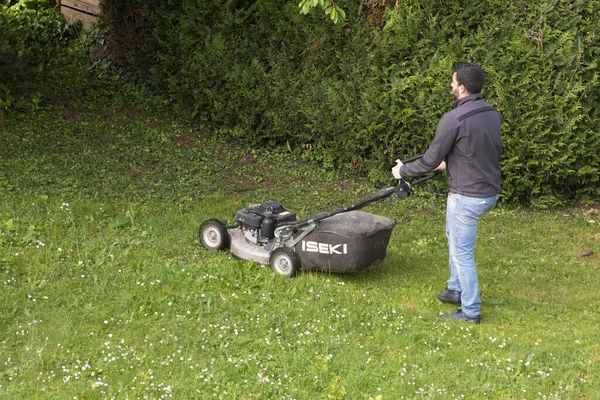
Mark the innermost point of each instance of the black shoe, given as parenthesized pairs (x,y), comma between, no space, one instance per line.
(450,296)
(458,315)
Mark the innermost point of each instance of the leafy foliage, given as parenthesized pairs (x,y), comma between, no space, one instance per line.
(44,59)
(355,95)
(329,7)
(31,38)
(365,93)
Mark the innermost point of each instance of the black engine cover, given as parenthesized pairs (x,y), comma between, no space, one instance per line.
(253,215)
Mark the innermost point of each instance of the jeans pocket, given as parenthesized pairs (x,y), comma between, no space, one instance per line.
(478,207)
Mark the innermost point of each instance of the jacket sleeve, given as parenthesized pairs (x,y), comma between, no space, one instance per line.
(443,142)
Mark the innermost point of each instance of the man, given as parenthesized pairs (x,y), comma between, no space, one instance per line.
(467,144)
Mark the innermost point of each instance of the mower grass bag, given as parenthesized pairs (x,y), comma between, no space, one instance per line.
(346,242)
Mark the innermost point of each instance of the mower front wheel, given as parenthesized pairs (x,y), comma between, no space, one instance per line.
(213,235)
(285,261)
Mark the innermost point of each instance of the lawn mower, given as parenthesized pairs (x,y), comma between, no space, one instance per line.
(343,240)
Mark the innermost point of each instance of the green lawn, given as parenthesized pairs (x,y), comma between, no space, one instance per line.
(107,293)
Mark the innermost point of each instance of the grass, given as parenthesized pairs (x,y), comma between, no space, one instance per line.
(107,293)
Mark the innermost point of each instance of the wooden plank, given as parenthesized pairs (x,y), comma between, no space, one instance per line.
(82,6)
(93,3)
(90,2)
(71,14)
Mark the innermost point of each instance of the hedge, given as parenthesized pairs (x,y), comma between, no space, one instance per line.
(29,40)
(361,93)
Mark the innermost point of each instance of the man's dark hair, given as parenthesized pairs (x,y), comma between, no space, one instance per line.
(470,75)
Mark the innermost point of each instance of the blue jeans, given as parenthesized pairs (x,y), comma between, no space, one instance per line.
(462,216)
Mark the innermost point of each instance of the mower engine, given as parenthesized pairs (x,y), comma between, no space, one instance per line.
(258,222)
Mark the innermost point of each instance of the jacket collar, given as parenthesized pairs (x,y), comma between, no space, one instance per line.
(466,99)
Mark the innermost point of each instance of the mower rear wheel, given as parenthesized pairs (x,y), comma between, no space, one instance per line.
(285,261)
(213,235)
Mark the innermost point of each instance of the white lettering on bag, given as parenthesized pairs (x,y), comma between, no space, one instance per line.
(324,248)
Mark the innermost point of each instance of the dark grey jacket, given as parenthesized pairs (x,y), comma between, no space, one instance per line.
(468,138)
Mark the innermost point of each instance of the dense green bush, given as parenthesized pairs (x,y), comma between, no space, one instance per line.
(362,93)
(45,59)
(30,39)
(541,68)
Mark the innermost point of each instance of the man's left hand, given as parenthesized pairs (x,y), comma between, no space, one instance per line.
(396,170)
(441,167)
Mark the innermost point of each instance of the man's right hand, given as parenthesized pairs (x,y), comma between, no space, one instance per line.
(396,170)
(441,167)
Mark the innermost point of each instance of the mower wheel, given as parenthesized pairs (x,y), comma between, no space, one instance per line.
(285,261)
(213,235)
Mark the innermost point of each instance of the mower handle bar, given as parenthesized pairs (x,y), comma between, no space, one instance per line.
(402,189)
(412,158)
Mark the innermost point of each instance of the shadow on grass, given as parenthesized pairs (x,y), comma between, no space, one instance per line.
(395,268)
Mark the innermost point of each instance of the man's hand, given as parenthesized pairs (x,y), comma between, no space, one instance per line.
(396,170)
(441,167)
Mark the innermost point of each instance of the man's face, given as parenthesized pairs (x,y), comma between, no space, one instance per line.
(455,87)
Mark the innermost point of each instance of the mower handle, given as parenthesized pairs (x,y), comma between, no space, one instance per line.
(420,180)
(402,191)
(401,188)
(393,180)
(414,158)
(380,195)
